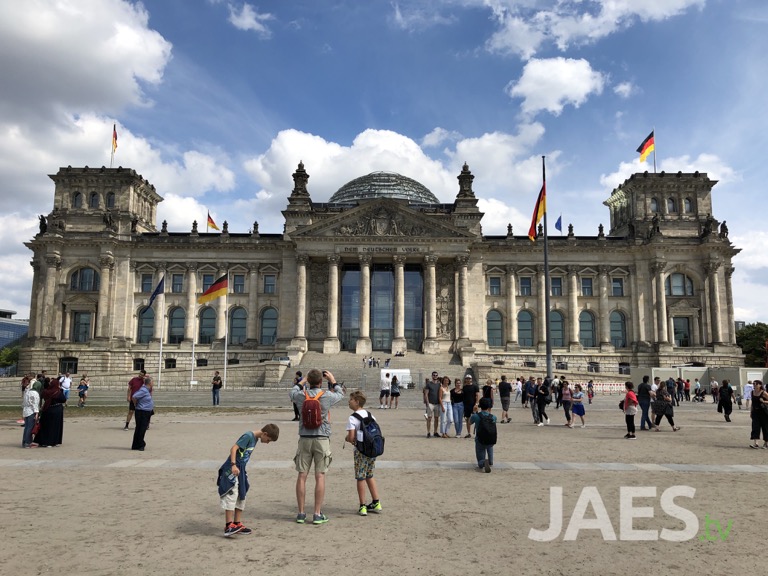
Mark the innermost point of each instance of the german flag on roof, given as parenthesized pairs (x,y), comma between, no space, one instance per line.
(217,289)
(646,147)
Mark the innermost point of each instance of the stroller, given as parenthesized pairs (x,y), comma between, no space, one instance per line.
(699,395)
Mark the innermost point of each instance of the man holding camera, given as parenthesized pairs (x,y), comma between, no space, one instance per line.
(314,442)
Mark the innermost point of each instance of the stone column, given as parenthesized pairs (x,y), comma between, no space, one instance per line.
(657,269)
(159,309)
(542,324)
(107,263)
(331,345)
(714,293)
(605,314)
(461,267)
(638,329)
(251,325)
(34,309)
(731,338)
(221,307)
(696,328)
(399,343)
(512,343)
(430,290)
(191,311)
(48,320)
(300,338)
(363,345)
(573,306)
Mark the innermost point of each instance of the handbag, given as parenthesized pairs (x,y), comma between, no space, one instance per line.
(621,405)
(36,427)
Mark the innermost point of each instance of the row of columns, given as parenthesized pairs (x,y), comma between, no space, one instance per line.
(364,345)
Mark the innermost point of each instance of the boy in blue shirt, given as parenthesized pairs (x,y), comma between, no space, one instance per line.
(233,479)
(82,391)
(485,434)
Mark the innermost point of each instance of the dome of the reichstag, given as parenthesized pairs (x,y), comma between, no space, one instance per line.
(383,185)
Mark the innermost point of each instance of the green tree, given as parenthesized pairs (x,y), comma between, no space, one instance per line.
(9,356)
(752,340)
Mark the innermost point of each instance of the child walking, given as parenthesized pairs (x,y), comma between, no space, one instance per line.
(364,465)
(233,479)
(485,434)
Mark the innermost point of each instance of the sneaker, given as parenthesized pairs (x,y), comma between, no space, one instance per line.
(753,446)
(429,435)
(301,518)
(487,467)
(627,435)
(468,436)
(126,428)
(633,437)
(374,507)
(243,529)
(583,425)
(363,510)
(319,518)
(232,529)
(540,424)
(547,420)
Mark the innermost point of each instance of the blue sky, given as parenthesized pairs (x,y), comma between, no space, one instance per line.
(217,101)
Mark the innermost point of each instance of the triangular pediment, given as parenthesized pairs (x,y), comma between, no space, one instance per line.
(379,219)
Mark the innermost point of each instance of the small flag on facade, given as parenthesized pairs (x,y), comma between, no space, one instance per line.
(158,290)
(559,223)
(646,147)
(538,212)
(217,289)
(211,223)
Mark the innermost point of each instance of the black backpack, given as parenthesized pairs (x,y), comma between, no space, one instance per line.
(486,429)
(372,444)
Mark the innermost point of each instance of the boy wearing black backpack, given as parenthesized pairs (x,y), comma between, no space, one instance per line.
(485,434)
(364,465)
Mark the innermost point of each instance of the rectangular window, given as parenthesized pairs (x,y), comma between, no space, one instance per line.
(146,283)
(238,283)
(201,362)
(138,364)
(68,364)
(682,331)
(557,286)
(617,286)
(494,283)
(207,281)
(170,363)
(81,327)
(270,281)
(586,287)
(177,283)
(525,286)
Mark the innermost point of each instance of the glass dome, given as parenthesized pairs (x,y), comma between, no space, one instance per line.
(383,185)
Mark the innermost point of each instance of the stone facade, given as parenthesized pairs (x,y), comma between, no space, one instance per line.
(381,271)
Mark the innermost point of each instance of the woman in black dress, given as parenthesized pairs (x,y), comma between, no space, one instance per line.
(759,415)
(725,404)
(52,416)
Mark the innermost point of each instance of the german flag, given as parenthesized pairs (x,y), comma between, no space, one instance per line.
(211,223)
(114,138)
(646,147)
(217,289)
(538,212)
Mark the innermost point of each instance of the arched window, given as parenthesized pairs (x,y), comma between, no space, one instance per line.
(556,329)
(587,329)
(207,325)
(687,206)
(237,320)
(77,200)
(146,325)
(93,201)
(678,285)
(654,205)
(111,200)
(268,326)
(495,328)
(671,205)
(84,280)
(525,328)
(618,329)
(177,320)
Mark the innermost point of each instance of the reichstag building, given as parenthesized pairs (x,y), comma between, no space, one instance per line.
(381,268)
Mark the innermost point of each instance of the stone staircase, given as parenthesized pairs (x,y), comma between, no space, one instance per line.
(348,367)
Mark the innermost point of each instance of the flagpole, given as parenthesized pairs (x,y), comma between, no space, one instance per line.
(226,330)
(194,334)
(654,149)
(160,359)
(546,279)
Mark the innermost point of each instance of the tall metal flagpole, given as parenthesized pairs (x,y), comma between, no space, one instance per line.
(160,359)
(226,330)
(654,149)
(194,335)
(546,276)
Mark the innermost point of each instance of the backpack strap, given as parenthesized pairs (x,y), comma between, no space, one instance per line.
(316,396)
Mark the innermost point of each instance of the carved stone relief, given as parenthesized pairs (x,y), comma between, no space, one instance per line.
(444,317)
(317,272)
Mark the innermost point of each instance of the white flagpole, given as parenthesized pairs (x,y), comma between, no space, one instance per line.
(162,333)
(194,335)
(226,329)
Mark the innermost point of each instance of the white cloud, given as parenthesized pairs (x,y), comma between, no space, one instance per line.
(246,18)
(551,84)
(438,137)
(524,26)
(624,89)
(418,17)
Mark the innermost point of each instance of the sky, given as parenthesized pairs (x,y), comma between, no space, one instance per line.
(216,102)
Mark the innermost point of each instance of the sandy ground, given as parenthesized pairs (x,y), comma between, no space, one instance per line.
(92,506)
